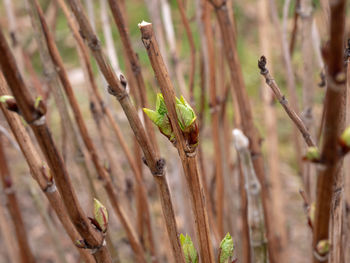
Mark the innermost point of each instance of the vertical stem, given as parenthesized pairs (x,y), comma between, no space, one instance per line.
(215,127)
(245,112)
(331,174)
(117,88)
(26,254)
(187,154)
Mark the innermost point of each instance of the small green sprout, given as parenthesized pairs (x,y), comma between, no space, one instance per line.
(160,118)
(185,115)
(312,154)
(5,98)
(101,215)
(226,249)
(190,252)
(323,246)
(345,138)
(37,101)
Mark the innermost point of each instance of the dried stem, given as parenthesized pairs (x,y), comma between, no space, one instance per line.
(132,58)
(215,121)
(102,173)
(335,102)
(7,236)
(284,102)
(186,153)
(26,253)
(41,173)
(272,151)
(258,244)
(192,47)
(105,111)
(118,88)
(282,34)
(241,99)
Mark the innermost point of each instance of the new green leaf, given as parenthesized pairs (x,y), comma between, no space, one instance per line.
(190,252)
(226,248)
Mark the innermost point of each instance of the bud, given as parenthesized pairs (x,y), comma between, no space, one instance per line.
(312,154)
(187,120)
(345,139)
(226,249)
(190,253)
(80,243)
(311,212)
(323,246)
(9,102)
(100,215)
(160,118)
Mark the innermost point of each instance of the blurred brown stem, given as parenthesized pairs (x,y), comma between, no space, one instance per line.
(26,253)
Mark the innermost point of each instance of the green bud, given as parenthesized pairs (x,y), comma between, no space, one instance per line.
(101,215)
(323,246)
(37,101)
(312,154)
(345,137)
(160,105)
(162,121)
(80,243)
(226,248)
(5,98)
(9,102)
(190,253)
(185,114)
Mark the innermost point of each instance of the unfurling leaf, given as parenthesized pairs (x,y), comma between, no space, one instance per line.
(101,215)
(190,252)
(226,248)
(160,105)
(185,114)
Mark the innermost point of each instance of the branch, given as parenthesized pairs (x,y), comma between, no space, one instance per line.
(118,89)
(186,151)
(284,102)
(35,117)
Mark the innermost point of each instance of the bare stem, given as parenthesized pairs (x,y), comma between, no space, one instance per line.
(284,102)
(187,154)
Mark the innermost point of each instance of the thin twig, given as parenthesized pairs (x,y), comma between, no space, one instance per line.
(284,102)
(26,253)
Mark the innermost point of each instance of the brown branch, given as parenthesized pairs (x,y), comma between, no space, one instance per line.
(192,47)
(40,173)
(101,171)
(35,117)
(26,253)
(187,153)
(241,99)
(335,103)
(105,111)
(295,27)
(215,121)
(284,102)
(132,58)
(118,89)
